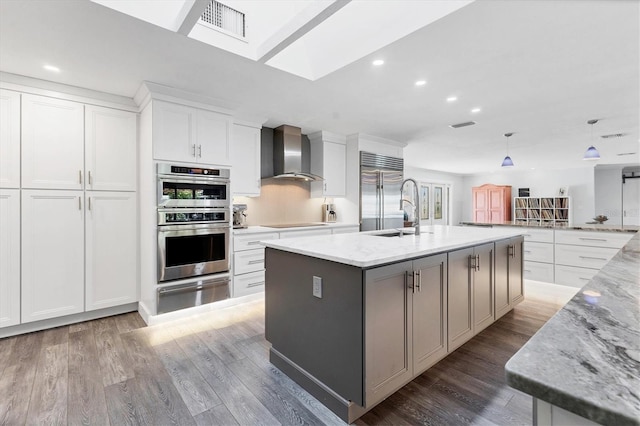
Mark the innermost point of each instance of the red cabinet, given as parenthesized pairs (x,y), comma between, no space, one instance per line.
(491,203)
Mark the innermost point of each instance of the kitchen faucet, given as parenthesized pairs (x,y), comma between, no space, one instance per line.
(415,204)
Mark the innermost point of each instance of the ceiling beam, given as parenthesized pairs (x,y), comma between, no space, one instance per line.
(305,21)
(189,15)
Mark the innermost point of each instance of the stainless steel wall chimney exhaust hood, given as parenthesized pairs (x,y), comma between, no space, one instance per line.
(287,154)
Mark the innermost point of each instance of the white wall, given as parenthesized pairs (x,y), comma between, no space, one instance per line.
(455,181)
(542,183)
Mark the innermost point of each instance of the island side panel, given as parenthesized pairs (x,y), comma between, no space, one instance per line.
(323,336)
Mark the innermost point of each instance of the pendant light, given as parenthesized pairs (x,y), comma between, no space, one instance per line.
(592,153)
(507,162)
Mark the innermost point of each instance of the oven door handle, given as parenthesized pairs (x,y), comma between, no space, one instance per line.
(198,180)
(189,288)
(195,227)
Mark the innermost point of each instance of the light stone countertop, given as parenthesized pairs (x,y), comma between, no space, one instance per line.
(366,250)
(586,359)
(315,225)
(598,227)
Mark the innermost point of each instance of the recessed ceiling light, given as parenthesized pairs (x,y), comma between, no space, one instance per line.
(378,62)
(51,68)
(476,110)
(421,82)
(452,98)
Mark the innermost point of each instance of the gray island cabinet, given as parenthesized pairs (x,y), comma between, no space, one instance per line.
(354,317)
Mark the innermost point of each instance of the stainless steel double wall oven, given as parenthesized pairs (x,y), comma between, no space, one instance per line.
(194,223)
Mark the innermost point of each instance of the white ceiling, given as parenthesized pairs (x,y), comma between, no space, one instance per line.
(539,69)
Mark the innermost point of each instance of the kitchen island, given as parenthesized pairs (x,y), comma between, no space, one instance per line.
(354,317)
(583,366)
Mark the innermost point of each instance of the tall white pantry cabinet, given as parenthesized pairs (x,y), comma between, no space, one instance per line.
(78,207)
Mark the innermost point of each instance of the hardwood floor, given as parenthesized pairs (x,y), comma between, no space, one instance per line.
(214,369)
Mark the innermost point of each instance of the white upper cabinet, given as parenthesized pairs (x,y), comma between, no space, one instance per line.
(52,143)
(213,138)
(182,133)
(245,160)
(9,139)
(329,160)
(110,156)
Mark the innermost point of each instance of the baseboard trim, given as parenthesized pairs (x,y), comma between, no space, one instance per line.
(66,320)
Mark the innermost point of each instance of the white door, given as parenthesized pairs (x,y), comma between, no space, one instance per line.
(434,203)
(52,254)
(111,252)
(52,143)
(245,160)
(9,139)
(9,257)
(213,138)
(173,132)
(110,158)
(631,202)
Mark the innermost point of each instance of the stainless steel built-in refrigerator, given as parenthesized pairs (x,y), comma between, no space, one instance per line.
(380,183)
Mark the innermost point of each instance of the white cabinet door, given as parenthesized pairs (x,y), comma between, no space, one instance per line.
(111,249)
(245,160)
(329,160)
(52,143)
(213,138)
(248,261)
(173,132)
(248,283)
(9,139)
(9,257)
(110,157)
(52,254)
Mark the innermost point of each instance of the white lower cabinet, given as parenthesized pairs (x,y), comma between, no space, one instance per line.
(111,254)
(9,257)
(574,276)
(52,254)
(59,276)
(248,262)
(538,271)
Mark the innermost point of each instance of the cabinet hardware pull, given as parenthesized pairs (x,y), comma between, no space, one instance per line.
(79,203)
(584,279)
(89,177)
(594,258)
(200,151)
(477,262)
(255,284)
(511,251)
(527,270)
(194,149)
(406,281)
(89,203)
(325,187)
(419,281)
(80,174)
(472,262)
(250,243)
(591,239)
(255,262)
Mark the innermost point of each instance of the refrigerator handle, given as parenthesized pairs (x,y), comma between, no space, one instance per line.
(381,198)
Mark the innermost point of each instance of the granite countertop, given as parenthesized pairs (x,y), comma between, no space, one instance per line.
(316,225)
(584,227)
(586,359)
(365,249)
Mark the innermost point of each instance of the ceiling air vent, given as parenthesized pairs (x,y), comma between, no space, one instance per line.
(221,17)
(465,124)
(613,135)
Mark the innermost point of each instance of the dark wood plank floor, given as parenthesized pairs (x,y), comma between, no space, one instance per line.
(214,369)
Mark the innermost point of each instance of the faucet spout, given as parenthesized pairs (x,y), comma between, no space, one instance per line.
(415,204)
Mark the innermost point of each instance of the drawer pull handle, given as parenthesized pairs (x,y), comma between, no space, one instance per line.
(593,258)
(255,262)
(591,239)
(527,270)
(583,279)
(255,284)
(527,251)
(251,243)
